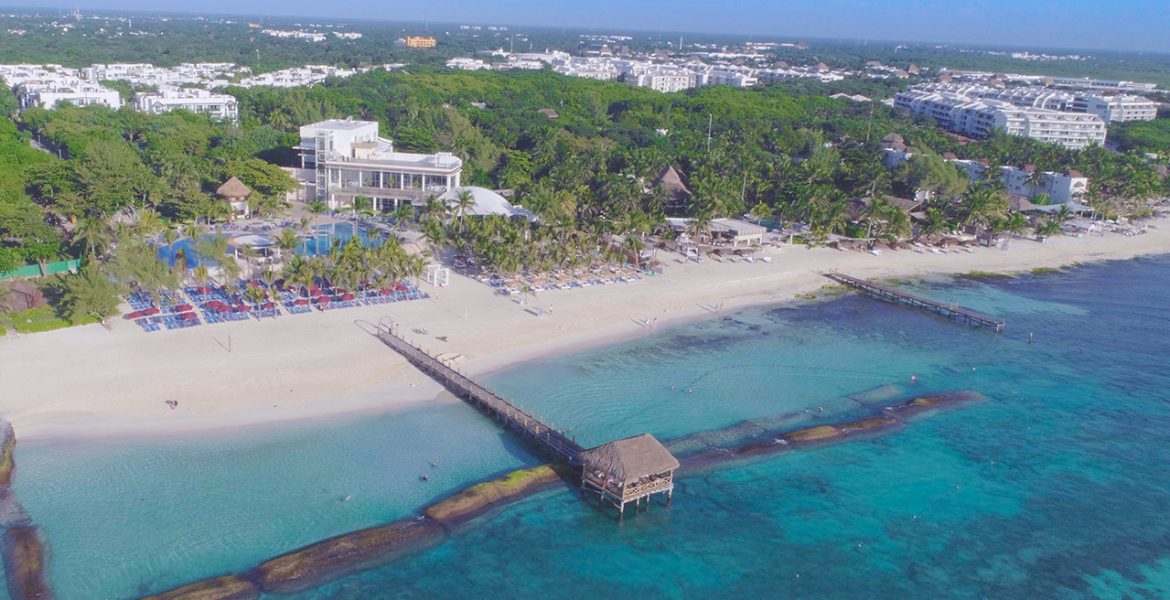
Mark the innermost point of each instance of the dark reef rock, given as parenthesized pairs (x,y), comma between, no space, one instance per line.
(336,557)
(228,587)
(25,564)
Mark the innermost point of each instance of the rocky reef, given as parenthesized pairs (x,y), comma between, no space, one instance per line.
(481,497)
(228,587)
(7,449)
(24,564)
(325,561)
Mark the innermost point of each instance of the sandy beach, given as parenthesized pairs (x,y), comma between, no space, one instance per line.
(90,381)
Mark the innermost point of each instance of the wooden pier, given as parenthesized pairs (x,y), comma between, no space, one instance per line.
(553,441)
(950,311)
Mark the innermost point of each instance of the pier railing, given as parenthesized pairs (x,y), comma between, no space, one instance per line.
(554,441)
(950,311)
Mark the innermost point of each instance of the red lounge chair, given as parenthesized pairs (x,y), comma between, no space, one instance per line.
(150,311)
(301,301)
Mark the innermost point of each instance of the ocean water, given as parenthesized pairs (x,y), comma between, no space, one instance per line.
(1057,486)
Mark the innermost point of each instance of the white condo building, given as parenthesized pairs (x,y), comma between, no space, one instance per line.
(347,158)
(979,118)
(1121,107)
(1061,188)
(78,93)
(219,106)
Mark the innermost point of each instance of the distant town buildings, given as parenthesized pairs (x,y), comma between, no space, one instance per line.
(308,36)
(419,42)
(978,117)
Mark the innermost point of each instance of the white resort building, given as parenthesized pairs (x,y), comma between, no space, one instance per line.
(1060,188)
(346,158)
(219,106)
(979,118)
(1119,107)
(78,93)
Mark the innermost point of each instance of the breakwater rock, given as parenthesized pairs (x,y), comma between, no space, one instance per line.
(325,561)
(336,557)
(24,564)
(7,449)
(481,497)
(228,587)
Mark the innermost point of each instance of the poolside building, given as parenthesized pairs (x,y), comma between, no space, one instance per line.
(345,158)
(629,470)
(235,193)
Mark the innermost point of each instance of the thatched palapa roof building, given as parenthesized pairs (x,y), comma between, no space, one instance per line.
(671,182)
(629,470)
(235,193)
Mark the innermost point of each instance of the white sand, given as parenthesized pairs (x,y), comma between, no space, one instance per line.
(94,382)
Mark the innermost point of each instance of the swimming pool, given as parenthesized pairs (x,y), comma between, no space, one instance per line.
(318,242)
(323,238)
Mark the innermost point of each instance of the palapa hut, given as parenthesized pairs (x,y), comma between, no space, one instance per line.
(678,196)
(629,470)
(235,193)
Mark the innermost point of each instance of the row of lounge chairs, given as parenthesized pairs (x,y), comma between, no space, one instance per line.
(219,305)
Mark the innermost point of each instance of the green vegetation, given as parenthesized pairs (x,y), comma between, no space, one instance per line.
(43,318)
(1142,136)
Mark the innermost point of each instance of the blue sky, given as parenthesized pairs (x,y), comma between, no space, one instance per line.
(1107,24)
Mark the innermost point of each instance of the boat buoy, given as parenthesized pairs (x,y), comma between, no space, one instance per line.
(913,378)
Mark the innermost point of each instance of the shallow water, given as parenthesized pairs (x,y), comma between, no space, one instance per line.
(1054,487)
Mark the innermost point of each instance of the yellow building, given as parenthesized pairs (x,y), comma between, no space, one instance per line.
(420,42)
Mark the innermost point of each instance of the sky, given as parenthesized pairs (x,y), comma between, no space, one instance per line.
(1095,24)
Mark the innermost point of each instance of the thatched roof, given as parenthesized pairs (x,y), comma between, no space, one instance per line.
(630,459)
(233,188)
(670,181)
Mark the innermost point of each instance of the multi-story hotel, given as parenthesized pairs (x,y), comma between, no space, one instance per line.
(1120,107)
(980,117)
(346,158)
(220,106)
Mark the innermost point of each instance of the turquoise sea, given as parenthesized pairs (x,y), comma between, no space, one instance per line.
(1058,486)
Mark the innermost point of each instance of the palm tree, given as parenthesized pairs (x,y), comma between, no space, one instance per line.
(464,205)
(92,235)
(1049,227)
(1015,224)
(149,223)
(298,271)
(1036,180)
(633,245)
(287,241)
(201,274)
(699,226)
(363,205)
(316,207)
(934,223)
(402,214)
